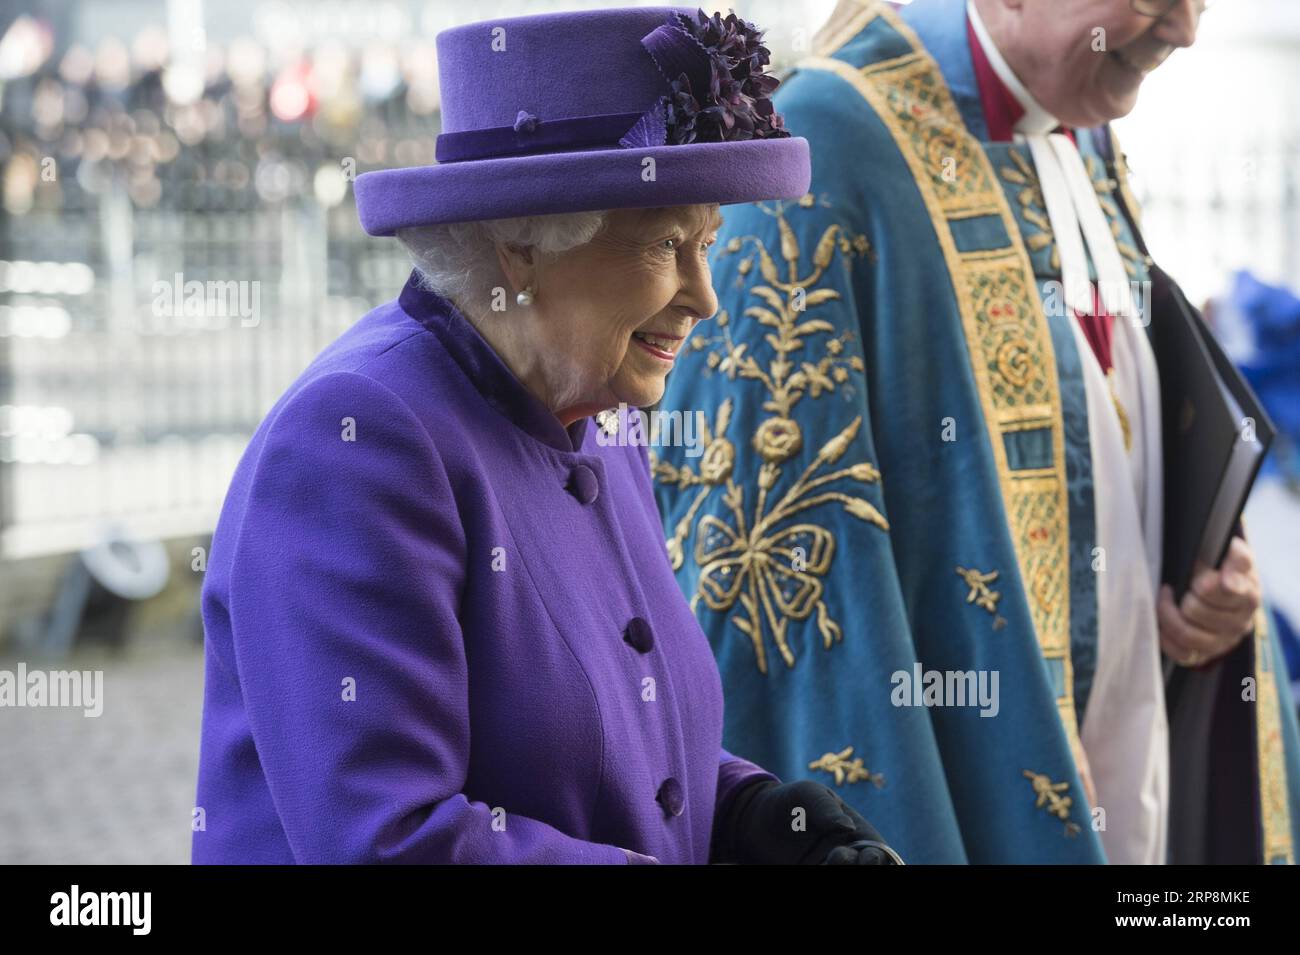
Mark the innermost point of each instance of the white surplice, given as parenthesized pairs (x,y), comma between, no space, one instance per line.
(1125,733)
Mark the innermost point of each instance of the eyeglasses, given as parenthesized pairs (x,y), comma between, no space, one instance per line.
(1158,8)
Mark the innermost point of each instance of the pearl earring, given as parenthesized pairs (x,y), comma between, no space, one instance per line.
(526,296)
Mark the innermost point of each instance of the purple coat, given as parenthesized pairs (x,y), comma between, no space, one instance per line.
(443,628)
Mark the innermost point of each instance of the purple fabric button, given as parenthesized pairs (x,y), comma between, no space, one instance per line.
(583,484)
(671,797)
(639,635)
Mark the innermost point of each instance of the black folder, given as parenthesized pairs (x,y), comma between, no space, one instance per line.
(1216,434)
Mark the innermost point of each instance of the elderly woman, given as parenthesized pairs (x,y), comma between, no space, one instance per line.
(441,623)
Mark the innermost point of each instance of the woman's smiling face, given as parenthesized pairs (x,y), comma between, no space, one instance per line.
(620,307)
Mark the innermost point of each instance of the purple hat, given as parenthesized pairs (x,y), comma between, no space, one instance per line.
(604,109)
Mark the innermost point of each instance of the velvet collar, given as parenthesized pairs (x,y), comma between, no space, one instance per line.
(484,367)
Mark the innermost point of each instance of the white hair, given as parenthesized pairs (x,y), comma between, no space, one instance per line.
(458,260)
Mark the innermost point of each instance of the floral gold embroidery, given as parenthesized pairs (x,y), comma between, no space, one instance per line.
(778,439)
(1013,362)
(845,770)
(715,468)
(997,298)
(980,594)
(774,570)
(1106,187)
(758,557)
(1033,207)
(1050,798)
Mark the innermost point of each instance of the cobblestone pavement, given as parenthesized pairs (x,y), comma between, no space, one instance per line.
(117,788)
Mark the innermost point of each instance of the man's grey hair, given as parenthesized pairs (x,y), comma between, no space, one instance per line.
(458,260)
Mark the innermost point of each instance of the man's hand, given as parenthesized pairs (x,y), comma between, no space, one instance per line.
(1216,612)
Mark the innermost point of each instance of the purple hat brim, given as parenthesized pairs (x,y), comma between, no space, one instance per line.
(722,172)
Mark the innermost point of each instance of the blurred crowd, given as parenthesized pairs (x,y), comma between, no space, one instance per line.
(127,164)
(208,128)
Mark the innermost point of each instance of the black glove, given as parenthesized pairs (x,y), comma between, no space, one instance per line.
(761,827)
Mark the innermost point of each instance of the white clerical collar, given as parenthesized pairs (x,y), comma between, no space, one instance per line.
(1036,119)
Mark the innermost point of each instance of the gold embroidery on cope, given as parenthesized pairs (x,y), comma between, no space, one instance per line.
(1105,188)
(845,770)
(980,594)
(1051,799)
(1275,814)
(1033,207)
(1119,185)
(759,558)
(998,300)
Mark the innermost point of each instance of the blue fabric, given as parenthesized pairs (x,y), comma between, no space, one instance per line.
(941,27)
(1272,314)
(882,366)
(1273,369)
(1289,643)
(945,784)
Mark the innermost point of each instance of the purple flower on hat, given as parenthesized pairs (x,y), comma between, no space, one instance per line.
(718,91)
